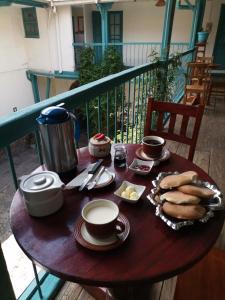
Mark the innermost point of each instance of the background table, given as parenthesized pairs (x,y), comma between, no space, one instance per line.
(152,252)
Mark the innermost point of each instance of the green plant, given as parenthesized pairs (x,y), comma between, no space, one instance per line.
(89,71)
(164,79)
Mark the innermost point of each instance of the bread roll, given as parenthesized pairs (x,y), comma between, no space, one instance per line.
(185,212)
(172,181)
(180,198)
(196,190)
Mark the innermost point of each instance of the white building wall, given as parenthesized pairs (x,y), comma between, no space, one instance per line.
(15,88)
(143,22)
(38,49)
(66,37)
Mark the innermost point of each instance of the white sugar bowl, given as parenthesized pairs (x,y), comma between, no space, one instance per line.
(42,193)
(99,145)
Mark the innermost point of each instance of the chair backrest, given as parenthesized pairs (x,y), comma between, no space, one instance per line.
(197,70)
(172,130)
(205,59)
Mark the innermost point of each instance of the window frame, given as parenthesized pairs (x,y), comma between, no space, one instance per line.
(33,21)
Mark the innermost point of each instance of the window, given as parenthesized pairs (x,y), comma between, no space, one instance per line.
(30,22)
(80,25)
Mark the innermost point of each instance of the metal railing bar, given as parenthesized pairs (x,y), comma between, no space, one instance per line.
(38,146)
(107,113)
(137,111)
(128,111)
(133,110)
(115,115)
(37,281)
(99,115)
(12,166)
(88,119)
(122,110)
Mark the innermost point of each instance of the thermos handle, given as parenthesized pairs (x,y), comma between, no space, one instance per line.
(73,116)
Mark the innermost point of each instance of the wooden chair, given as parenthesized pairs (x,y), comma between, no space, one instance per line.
(197,83)
(200,51)
(169,131)
(205,280)
(205,59)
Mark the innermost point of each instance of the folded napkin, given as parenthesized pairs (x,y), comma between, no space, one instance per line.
(79,179)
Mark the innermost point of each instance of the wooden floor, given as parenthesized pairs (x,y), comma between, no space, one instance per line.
(210,157)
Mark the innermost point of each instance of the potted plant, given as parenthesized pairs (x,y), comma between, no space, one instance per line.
(202,36)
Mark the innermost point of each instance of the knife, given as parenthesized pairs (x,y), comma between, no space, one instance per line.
(91,173)
(98,175)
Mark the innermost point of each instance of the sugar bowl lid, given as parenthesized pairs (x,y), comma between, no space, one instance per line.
(41,181)
(100,139)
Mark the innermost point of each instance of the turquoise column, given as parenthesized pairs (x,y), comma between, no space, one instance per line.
(196,14)
(34,84)
(167,29)
(165,47)
(6,290)
(103,8)
(35,89)
(201,14)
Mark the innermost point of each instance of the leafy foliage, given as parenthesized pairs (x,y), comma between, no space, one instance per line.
(164,78)
(89,71)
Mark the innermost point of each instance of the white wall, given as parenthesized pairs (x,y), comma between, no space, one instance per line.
(212,14)
(17,53)
(38,49)
(66,37)
(44,53)
(15,88)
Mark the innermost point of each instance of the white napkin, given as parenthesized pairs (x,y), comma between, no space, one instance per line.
(79,179)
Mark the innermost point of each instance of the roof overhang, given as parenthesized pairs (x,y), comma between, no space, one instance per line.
(34,3)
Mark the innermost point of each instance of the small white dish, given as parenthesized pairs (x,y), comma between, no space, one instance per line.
(137,166)
(138,188)
(105,179)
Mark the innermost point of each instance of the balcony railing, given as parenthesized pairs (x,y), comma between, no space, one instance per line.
(133,54)
(115,105)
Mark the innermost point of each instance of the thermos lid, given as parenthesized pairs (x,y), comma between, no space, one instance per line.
(53,115)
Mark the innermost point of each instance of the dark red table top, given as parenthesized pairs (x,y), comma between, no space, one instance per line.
(152,252)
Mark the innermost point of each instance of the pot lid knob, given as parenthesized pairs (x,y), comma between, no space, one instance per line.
(40,181)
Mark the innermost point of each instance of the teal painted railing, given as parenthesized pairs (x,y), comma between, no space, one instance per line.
(115,105)
(134,54)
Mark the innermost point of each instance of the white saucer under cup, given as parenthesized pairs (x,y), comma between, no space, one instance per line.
(97,241)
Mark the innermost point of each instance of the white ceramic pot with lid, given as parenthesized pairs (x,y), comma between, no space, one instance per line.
(99,145)
(42,193)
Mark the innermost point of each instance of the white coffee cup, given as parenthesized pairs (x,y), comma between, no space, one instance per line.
(100,217)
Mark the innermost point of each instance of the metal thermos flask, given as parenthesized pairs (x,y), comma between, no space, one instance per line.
(57,129)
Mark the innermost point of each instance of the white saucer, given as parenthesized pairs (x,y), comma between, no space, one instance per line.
(105,179)
(96,241)
(165,155)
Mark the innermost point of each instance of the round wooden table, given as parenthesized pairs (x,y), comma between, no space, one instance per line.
(152,252)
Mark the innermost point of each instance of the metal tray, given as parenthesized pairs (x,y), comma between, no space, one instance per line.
(214,203)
